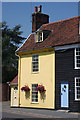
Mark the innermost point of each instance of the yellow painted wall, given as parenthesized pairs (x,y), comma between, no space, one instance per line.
(45,76)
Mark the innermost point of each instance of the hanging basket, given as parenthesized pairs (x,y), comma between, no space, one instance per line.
(40,88)
(25,88)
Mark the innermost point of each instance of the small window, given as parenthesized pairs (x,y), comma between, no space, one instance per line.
(34,93)
(77,58)
(77,88)
(35,63)
(39,36)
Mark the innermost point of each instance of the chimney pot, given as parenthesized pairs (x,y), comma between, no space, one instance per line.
(35,8)
(40,8)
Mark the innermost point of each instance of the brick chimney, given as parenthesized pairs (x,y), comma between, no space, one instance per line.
(38,18)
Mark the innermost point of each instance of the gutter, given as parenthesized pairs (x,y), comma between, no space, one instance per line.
(33,49)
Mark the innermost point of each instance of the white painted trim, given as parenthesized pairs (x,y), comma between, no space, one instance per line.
(75,88)
(67,47)
(35,72)
(34,102)
(42,36)
(75,57)
(24,42)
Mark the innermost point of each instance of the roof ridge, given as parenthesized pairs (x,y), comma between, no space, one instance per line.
(61,20)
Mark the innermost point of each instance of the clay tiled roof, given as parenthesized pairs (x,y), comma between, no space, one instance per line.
(62,32)
(15,80)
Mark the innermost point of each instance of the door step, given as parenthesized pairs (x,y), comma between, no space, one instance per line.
(63,111)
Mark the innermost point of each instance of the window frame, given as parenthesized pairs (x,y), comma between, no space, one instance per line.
(37,36)
(36,64)
(76,59)
(76,89)
(34,92)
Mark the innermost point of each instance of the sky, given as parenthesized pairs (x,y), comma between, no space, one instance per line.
(15,13)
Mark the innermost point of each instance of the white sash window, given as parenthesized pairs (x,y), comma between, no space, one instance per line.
(34,93)
(39,36)
(35,63)
(77,58)
(77,88)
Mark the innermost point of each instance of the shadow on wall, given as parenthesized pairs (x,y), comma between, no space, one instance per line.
(43,96)
(27,95)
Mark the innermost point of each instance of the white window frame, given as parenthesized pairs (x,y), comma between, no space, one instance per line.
(35,64)
(37,36)
(32,93)
(76,60)
(76,89)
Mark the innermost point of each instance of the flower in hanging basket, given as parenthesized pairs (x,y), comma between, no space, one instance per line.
(40,88)
(25,88)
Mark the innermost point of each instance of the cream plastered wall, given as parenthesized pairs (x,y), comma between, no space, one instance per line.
(45,76)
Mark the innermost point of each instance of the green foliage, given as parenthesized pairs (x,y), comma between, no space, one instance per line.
(10,42)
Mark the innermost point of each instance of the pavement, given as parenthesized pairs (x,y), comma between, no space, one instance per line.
(26,113)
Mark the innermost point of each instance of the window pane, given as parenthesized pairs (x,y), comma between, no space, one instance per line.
(36,100)
(78,61)
(78,65)
(78,57)
(76,49)
(40,37)
(78,96)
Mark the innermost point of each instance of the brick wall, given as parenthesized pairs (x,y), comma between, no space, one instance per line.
(38,19)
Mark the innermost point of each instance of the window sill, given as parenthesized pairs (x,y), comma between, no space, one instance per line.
(34,102)
(39,41)
(77,100)
(77,68)
(34,72)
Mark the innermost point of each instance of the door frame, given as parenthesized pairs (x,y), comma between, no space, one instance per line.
(64,82)
(13,95)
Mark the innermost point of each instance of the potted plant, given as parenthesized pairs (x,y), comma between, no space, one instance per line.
(40,88)
(25,88)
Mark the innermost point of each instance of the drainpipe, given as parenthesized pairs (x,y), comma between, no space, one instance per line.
(19,79)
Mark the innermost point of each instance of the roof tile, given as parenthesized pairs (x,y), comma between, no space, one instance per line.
(15,80)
